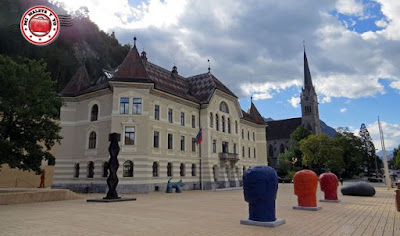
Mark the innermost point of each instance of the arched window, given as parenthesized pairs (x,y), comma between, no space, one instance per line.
(229,125)
(216,122)
(223,107)
(211,119)
(282,148)
(193,169)
(183,170)
(270,151)
(155,169)
(128,169)
(215,172)
(236,127)
(223,123)
(76,170)
(169,169)
(105,169)
(254,153)
(92,140)
(94,113)
(90,169)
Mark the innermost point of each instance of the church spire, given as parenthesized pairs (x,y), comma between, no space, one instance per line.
(307,75)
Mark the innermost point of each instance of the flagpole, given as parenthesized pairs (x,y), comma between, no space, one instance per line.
(385,164)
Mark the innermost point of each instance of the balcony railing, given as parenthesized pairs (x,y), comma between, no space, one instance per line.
(228,156)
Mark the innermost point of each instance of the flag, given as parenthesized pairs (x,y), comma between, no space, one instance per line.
(199,137)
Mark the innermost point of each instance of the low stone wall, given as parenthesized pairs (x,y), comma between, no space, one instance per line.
(18,196)
(16,178)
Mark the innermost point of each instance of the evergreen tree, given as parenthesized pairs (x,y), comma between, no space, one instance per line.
(368,150)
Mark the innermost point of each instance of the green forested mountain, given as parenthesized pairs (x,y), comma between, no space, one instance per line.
(80,43)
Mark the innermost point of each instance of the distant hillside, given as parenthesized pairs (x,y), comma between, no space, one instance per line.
(389,154)
(326,129)
(82,43)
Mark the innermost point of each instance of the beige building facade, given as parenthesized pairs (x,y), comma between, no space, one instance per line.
(158,114)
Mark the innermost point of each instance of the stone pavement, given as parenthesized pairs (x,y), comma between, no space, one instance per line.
(200,213)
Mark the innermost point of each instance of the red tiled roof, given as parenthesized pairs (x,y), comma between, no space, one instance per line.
(80,81)
(254,114)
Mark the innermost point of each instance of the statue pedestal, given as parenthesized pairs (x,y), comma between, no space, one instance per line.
(307,208)
(275,223)
(111,200)
(325,200)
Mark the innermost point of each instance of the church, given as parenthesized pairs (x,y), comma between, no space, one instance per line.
(278,132)
(159,114)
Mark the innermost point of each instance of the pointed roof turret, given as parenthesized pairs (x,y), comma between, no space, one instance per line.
(132,67)
(78,82)
(254,114)
(307,74)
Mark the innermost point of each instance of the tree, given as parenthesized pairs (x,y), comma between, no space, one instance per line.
(368,150)
(296,136)
(29,108)
(352,152)
(321,153)
(396,157)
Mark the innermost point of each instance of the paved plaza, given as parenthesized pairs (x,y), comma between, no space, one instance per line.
(200,213)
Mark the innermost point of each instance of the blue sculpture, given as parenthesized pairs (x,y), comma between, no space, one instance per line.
(260,185)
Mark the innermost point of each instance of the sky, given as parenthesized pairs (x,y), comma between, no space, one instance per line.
(255,48)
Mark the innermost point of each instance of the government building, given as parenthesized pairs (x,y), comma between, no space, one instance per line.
(158,113)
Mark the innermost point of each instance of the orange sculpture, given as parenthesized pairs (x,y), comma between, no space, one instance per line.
(329,184)
(305,187)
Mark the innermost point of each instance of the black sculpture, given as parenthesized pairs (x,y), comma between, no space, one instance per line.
(358,189)
(112,180)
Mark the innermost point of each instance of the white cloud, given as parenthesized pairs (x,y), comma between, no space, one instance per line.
(250,53)
(381,23)
(349,7)
(266,90)
(294,101)
(391,133)
(395,85)
(342,110)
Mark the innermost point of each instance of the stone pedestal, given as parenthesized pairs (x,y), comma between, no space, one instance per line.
(307,208)
(325,200)
(272,224)
(111,200)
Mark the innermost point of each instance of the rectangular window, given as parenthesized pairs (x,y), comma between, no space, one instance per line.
(183,118)
(156,112)
(234,148)
(254,136)
(243,151)
(124,106)
(242,134)
(254,152)
(214,146)
(170,140)
(193,144)
(182,143)
(170,115)
(249,151)
(193,121)
(137,106)
(129,135)
(156,139)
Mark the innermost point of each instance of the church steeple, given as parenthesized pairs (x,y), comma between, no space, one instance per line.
(309,102)
(307,75)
